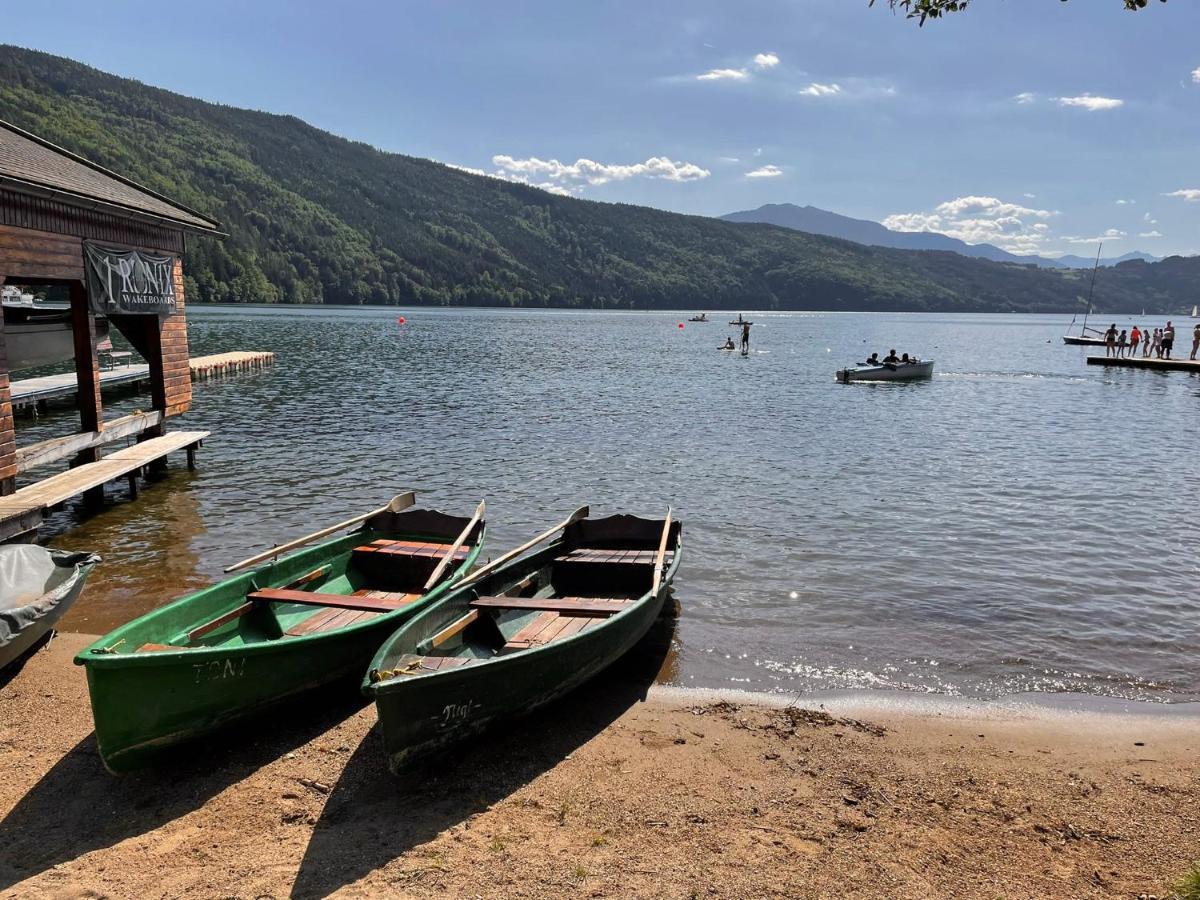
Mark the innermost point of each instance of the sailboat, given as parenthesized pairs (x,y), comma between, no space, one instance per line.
(1096,338)
(1196,311)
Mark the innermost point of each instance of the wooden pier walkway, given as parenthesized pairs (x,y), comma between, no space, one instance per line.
(34,391)
(1147,362)
(24,510)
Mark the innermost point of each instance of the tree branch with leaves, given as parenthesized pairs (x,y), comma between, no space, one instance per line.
(935,9)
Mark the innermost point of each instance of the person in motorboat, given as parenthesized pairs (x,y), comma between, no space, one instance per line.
(913,359)
(904,359)
(873,359)
(729,345)
(891,358)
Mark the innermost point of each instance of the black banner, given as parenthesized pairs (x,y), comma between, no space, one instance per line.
(129,281)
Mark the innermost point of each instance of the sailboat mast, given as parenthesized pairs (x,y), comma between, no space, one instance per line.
(1095,269)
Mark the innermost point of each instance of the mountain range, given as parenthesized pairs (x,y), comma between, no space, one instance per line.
(864,231)
(313,217)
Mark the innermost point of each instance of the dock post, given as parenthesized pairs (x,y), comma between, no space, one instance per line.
(133,485)
(8,435)
(191,456)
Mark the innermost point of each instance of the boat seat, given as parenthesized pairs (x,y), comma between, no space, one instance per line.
(431,549)
(363,601)
(612,557)
(600,607)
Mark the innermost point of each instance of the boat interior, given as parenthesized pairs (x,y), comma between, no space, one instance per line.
(573,586)
(369,577)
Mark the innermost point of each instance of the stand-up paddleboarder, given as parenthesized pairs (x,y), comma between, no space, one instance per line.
(745,337)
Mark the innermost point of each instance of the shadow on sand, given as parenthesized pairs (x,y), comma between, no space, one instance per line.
(372,816)
(79,807)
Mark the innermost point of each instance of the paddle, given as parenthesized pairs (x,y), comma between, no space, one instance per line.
(662,553)
(458,542)
(398,503)
(581,513)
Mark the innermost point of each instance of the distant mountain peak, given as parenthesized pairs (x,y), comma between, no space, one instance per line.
(864,231)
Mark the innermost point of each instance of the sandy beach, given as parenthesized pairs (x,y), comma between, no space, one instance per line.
(616,792)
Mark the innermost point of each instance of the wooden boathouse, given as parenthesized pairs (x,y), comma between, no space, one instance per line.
(115,248)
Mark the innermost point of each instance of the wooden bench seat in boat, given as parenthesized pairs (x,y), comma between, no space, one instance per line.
(411,548)
(362,601)
(604,555)
(576,606)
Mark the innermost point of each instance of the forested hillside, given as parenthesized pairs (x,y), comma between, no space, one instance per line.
(316,218)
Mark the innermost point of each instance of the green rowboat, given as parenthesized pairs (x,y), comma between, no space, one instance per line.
(226,652)
(522,635)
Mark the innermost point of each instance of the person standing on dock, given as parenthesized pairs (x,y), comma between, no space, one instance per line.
(1135,338)
(745,337)
(1195,341)
(1157,343)
(1110,340)
(1168,340)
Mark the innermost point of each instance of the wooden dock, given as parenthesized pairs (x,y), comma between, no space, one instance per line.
(21,512)
(1147,362)
(36,392)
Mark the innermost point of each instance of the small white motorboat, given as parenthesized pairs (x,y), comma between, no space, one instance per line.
(903,371)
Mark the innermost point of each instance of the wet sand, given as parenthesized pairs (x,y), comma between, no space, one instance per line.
(609,794)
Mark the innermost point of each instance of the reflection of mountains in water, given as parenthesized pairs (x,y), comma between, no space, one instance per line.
(147,552)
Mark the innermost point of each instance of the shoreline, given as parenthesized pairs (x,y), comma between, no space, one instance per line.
(618,790)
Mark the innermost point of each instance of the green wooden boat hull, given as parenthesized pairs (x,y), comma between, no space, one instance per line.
(419,716)
(146,702)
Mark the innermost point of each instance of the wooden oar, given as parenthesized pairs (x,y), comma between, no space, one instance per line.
(662,553)
(399,503)
(458,542)
(581,513)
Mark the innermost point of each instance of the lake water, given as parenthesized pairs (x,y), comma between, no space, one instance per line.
(1022,522)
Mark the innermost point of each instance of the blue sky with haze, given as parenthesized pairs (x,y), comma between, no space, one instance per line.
(1031,124)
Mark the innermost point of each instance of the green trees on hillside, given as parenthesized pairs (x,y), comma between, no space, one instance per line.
(315,218)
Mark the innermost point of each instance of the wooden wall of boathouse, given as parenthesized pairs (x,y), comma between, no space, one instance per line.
(41,241)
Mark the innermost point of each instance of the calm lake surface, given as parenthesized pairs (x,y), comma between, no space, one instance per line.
(1022,522)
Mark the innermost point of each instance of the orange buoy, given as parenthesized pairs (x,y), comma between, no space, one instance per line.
(401,320)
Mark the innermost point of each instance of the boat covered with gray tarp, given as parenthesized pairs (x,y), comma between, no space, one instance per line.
(37,587)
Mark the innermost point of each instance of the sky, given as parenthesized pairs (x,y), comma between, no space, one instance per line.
(1034,125)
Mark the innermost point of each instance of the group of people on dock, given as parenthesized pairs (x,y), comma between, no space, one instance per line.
(1160,341)
(892,359)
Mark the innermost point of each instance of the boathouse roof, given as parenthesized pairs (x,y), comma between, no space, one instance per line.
(32,165)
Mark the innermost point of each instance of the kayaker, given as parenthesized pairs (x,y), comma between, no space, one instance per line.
(891,358)
(745,336)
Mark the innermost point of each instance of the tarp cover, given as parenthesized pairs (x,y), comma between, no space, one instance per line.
(34,582)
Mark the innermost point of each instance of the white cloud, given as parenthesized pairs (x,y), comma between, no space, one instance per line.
(1126,202)
(1089,102)
(723,75)
(1025,97)
(981,220)
(1111,234)
(1150,234)
(1196,75)
(1028,196)
(766,60)
(728,159)
(586,171)
(1149,220)
(821,90)
(757,152)
(765,172)
(1191,195)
